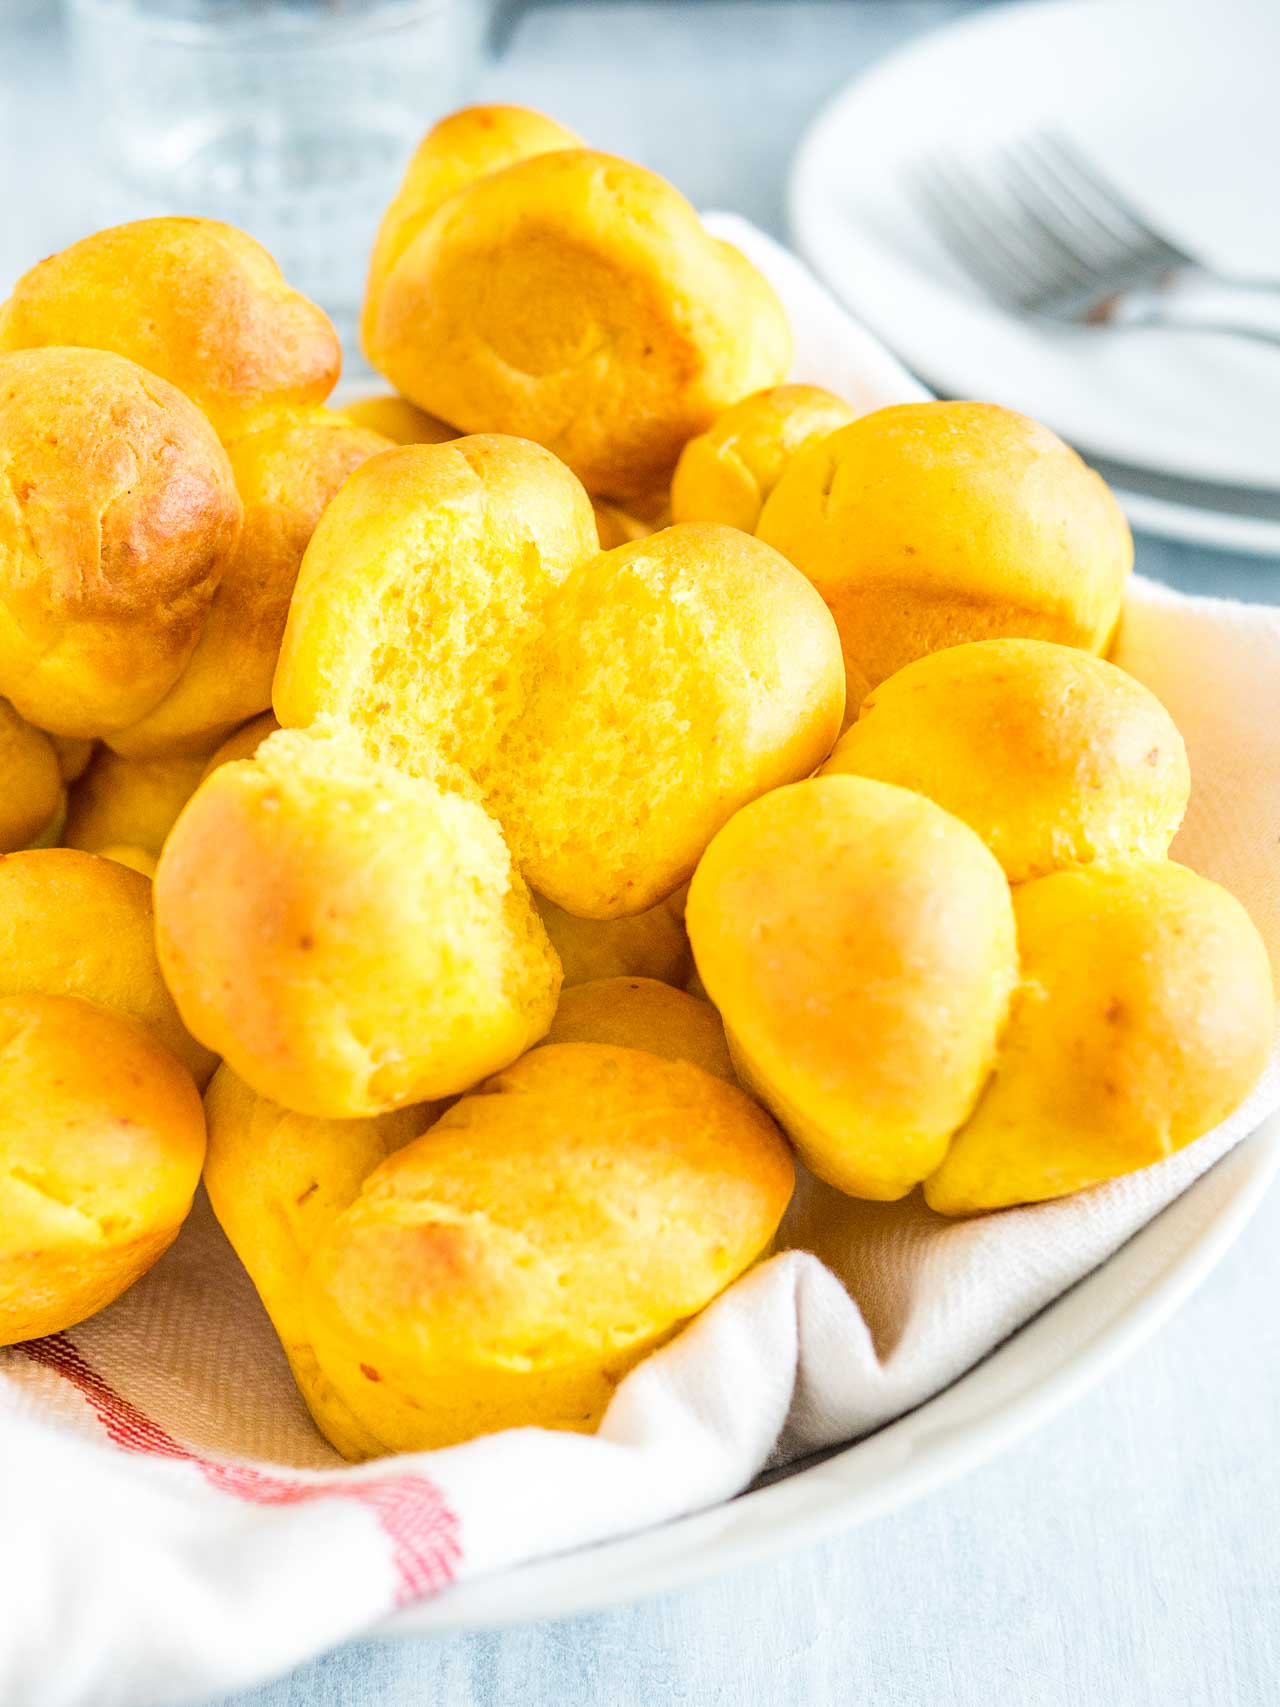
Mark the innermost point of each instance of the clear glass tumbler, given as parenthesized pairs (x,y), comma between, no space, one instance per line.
(290,118)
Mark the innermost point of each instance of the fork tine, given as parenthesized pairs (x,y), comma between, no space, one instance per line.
(1108,223)
(1038,230)
(1070,167)
(1096,242)
(1131,253)
(1072,275)
(987,245)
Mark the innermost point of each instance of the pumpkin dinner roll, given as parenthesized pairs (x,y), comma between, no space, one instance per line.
(611,709)
(727,473)
(647,945)
(463,146)
(121,802)
(525,284)
(617,526)
(243,743)
(31,794)
(347,936)
(510,1266)
(77,924)
(1053,756)
(119,518)
(859,943)
(423,593)
(642,1013)
(141,860)
(197,302)
(287,467)
(1144,1017)
(276,1180)
(474,697)
(101,1141)
(397,420)
(928,524)
(74,754)
(678,678)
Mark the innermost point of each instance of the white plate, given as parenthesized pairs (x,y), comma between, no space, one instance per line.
(1201,407)
(1052,1361)
(1196,512)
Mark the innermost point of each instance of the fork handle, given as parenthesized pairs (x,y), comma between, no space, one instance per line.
(1201,305)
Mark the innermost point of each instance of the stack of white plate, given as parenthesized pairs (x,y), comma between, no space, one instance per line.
(1177,101)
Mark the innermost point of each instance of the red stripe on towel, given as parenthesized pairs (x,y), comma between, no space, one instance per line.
(410,1509)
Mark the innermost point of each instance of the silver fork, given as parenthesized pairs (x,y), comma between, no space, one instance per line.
(1043,233)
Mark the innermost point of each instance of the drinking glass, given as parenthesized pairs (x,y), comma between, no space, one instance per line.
(290,118)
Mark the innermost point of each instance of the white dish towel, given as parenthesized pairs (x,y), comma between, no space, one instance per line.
(172,1527)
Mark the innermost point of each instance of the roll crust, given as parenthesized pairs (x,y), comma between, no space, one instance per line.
(911,1020)
(286,467)
(860,945)
(1054,757)
(928,524)
(511,1265)
(611,709)
(118,518)
(437,1277)
(525,284)
(77,924)
(31,793)
(350,938)
(195,301)
(101,1142)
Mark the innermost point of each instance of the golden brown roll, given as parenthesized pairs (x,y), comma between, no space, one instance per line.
(74,754)
(859,943)
(647,945)
(197,302)
(526,285)
(617,526)
(398,420)
(460,148)
(467,665)
(456,646)
(453,610)
(276,1181)
(287,466)
(244,742)
(511,1265)
(641,1013)
(30,781)
(101,1140)
(422,594)
(750,698)
(137,859)
(727,473)
(1145,1015)
(76,924)
(128,802)
(120,517)
(348,937)
(928,524)
(1053,756)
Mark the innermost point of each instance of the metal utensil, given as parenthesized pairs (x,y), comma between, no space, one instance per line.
(1038,228)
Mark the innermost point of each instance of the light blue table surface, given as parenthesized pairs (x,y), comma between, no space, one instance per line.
(1127,1555)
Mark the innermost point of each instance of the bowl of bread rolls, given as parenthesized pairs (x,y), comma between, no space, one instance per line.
(499,832)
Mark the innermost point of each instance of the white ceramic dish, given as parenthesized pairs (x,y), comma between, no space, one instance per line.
(1197,513)
(1199,407)
(1041,1369)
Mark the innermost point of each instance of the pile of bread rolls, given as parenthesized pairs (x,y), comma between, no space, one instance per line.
(572,784)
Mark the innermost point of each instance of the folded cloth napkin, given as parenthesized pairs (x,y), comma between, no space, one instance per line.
(171,1526)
